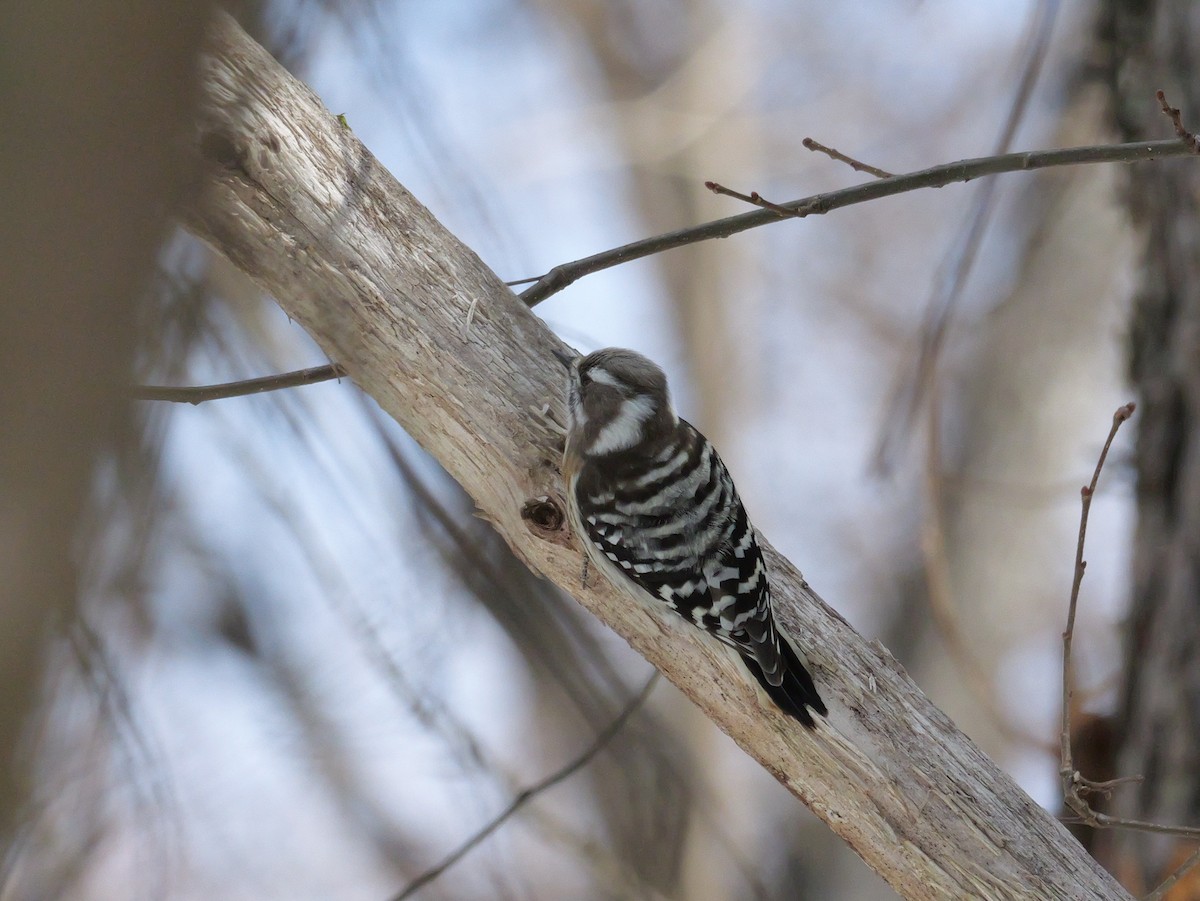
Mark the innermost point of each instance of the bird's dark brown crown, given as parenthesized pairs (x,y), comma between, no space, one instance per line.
(619,403)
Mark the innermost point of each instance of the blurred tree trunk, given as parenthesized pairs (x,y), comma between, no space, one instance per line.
(93,95)
(1155,45)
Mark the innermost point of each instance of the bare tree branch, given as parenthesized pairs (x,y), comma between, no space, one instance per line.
(581,760)
(198,394)
(298,203)
(564,275)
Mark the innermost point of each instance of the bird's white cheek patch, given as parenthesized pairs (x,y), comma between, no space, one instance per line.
(625,430)
(602,376)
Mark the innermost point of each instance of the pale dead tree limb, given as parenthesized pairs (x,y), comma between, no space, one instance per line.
(300,205)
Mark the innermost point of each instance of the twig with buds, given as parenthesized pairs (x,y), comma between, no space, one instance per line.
(1076,787)
(850,161)
(1176,118)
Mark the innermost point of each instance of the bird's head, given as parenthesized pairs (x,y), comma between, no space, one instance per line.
(616,400)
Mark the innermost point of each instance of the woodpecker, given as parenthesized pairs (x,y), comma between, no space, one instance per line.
(656,507)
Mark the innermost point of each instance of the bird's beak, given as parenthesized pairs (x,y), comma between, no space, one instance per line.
(565,359)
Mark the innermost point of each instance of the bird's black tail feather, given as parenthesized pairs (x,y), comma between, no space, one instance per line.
(796,694)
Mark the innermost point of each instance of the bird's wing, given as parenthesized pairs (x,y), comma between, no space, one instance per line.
(713,576)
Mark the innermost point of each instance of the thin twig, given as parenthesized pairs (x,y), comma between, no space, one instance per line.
(1074,784)
(524,797)
(1177,120)
(198,394)
(1099,820)
(755,198)
(1167,884)
(1067,770)
(848,160)
(567,274)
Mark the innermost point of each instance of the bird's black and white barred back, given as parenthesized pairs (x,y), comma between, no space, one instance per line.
(658,508)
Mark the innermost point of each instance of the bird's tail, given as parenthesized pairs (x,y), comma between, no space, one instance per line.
(796,695)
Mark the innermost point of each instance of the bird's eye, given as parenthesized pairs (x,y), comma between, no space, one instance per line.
(585,379)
